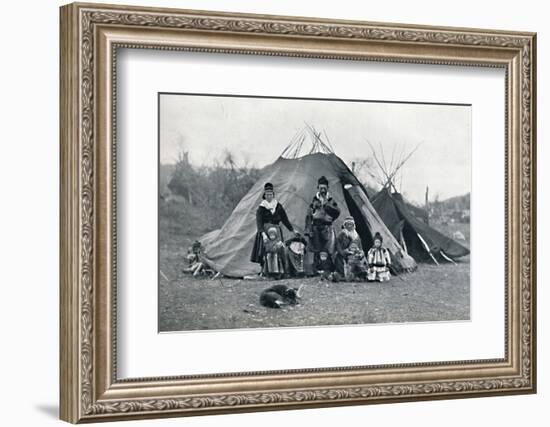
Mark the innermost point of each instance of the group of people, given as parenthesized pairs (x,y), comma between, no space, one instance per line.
(336,256)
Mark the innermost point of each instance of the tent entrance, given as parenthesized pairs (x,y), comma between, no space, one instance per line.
(415,247)
(360,224)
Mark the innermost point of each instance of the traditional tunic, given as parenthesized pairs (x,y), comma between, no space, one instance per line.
(266,217)
(379,261)
(320,215)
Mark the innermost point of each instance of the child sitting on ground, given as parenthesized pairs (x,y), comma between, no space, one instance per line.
(379,261)
(194,258)
(325,265)
(356,264)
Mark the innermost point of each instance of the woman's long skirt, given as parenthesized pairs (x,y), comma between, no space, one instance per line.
(258,250)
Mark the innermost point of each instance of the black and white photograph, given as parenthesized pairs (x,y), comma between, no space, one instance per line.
(275,213)
(299,212)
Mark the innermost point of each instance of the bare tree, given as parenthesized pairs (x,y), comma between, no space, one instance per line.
(363,169)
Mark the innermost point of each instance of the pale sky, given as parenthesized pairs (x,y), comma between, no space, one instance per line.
(259,129)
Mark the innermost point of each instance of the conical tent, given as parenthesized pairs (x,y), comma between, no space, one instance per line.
(228,249)
(420,240)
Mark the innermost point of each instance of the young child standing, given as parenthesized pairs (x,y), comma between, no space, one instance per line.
(379,261)
(274,265)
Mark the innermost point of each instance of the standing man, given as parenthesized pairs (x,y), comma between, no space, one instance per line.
(321,213)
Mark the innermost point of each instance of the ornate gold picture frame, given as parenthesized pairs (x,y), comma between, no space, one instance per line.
(90,37)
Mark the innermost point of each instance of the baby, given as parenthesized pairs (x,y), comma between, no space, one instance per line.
(296,251)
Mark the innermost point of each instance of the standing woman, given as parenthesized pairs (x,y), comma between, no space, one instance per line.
(270,213)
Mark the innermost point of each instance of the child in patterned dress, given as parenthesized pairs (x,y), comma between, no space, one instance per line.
(379,261)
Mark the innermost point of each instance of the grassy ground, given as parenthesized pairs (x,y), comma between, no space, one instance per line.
(429,294)
(186,303)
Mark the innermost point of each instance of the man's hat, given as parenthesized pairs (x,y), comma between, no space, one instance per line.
(322,181)
(268,186)
(349,219)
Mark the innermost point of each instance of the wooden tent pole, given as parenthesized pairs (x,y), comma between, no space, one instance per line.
(446,257)
(380,166)
(403,243)
(427,248)
(401,163)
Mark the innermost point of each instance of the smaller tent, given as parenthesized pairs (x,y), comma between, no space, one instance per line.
(420,240)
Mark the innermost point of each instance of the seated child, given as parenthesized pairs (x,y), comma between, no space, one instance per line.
(356,264)
(274,262)
(379,261)
(348,244)
(325,265)
(193,258)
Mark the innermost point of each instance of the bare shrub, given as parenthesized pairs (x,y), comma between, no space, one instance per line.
(216,189)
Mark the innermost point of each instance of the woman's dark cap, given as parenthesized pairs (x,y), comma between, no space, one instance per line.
(322,181)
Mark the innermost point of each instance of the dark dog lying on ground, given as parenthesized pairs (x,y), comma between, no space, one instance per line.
(279,295)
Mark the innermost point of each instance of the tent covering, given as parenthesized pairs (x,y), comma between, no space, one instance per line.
(228,249)
(404,225)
